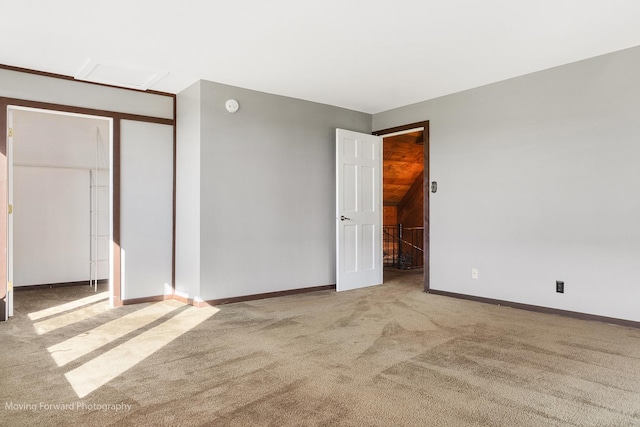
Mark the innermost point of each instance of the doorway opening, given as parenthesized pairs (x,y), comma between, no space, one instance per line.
(60,196)
(405,200)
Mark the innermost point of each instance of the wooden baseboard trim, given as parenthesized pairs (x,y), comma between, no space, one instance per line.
(266,295)
(155,298)
(183,300)
(231,300)
(57,285)
(539,309)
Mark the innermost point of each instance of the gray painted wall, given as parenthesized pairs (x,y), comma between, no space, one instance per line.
(267,191)
(538,181)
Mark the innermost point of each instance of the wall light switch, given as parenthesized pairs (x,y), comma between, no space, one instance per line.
(474,273)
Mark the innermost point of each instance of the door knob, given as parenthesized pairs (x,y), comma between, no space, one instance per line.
(344,218)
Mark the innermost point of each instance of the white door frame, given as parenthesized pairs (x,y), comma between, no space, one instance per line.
(9,131)
(426,187)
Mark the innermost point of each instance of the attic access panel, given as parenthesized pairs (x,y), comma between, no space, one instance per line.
(119,75)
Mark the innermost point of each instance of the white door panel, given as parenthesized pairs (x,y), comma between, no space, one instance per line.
(358,210)
(146,211)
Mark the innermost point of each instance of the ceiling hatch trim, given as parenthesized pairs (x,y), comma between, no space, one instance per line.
(115,74)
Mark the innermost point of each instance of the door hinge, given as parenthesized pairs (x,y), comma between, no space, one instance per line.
(10,132)
(10,208)
(9,286)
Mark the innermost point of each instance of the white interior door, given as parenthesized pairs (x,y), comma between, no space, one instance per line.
(358,210)
(10,215)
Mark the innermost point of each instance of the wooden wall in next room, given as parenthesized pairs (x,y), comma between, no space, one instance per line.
(390,215)
(411,207)
(402,179)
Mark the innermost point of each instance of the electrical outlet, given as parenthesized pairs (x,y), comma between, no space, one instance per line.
(474,273)
(560,286)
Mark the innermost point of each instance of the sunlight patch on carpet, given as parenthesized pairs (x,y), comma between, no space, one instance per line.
(68,306)
(83,344)
(71,317)
(104,368)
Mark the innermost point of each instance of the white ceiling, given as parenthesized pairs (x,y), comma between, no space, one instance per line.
(366,55)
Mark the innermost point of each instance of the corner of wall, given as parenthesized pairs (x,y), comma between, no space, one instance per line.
(188,192)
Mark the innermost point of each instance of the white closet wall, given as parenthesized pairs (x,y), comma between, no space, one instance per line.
(51,223)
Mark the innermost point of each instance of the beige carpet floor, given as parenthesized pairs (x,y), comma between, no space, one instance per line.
(389,355)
